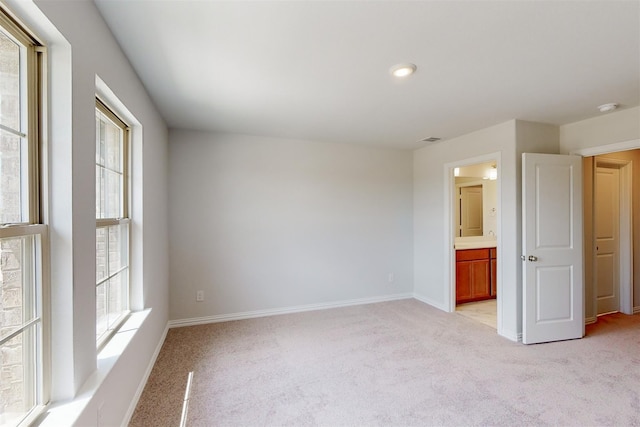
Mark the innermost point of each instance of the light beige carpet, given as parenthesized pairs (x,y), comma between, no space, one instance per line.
(400,363)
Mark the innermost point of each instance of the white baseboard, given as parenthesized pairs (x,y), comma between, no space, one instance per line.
(145,378)
(511,335)
(285,310)
(437,304)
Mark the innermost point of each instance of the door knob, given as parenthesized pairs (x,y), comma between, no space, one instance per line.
(533,258)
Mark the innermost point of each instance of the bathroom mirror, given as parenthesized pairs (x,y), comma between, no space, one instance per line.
(476,200)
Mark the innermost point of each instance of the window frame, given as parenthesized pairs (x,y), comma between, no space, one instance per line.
(123,219)
(35,255)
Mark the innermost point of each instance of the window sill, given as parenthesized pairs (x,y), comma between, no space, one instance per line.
(62,413)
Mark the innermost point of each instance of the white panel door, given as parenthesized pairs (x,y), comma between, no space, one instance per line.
(553,307)
(607,225)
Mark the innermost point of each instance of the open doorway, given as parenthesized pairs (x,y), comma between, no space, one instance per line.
(474,243)
(610,231)
(624,158)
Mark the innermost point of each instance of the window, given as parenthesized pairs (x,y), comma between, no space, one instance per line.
(22,235)
(112,222)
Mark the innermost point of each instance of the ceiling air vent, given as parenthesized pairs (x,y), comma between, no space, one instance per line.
(431,139)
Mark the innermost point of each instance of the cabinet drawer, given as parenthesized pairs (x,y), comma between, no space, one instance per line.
(471,254)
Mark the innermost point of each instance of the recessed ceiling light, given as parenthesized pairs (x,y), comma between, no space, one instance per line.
(605,108)
(403,70)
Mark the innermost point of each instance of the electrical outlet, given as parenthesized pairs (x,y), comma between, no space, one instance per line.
(199,296)
(391,278)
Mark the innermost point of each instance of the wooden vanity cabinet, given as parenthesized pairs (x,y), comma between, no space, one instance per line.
(474,278)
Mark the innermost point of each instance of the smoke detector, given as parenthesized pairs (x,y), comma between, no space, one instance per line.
(605,108)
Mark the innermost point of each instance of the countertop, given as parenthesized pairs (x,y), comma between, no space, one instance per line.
(475,242)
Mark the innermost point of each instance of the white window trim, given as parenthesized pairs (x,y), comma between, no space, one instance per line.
(35,95)
(108,111)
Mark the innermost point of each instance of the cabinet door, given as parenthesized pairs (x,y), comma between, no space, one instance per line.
(481,279)
(463,281)
(472,280)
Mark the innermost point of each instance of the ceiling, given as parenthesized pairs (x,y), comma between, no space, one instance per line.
(319,70)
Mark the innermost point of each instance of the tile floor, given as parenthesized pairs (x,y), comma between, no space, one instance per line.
(481,311)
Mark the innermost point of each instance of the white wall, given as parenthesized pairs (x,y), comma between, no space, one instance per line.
(489,208)
(262,223)
(616,127)
(510,140)
(430,283)
(80,48)
(634,157)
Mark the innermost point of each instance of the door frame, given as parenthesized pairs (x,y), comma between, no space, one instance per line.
(449,285)
(625,238)
(626,293)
